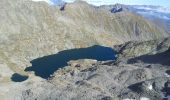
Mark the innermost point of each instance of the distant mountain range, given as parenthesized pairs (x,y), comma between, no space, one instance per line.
(148,11)
(152,12)
(157,14)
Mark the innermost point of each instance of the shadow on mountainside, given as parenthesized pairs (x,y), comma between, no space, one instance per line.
(160,58)
(46,66)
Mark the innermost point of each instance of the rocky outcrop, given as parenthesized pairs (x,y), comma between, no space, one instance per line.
(135,49)
(116,8)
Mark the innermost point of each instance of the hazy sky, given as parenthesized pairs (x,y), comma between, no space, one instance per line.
(165,3)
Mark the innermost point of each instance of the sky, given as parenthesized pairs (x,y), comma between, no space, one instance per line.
(165,3)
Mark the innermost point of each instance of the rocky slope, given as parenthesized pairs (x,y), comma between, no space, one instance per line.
(141,75)
(24,17)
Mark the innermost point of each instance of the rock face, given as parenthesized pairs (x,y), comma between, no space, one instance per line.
(140,76)
(135,49)
(117,8)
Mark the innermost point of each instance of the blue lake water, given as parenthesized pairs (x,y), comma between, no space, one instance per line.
(46,66)
(18,78)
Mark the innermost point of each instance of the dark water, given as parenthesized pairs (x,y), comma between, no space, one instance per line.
(46,66)
(18,78)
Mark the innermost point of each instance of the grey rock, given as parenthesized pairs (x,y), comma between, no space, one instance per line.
(106,81)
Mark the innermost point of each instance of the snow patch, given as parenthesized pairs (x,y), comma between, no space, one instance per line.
(144,98)
(166,75)
(128,99)
(150,87)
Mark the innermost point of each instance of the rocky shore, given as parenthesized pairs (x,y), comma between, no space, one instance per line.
(141,72)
